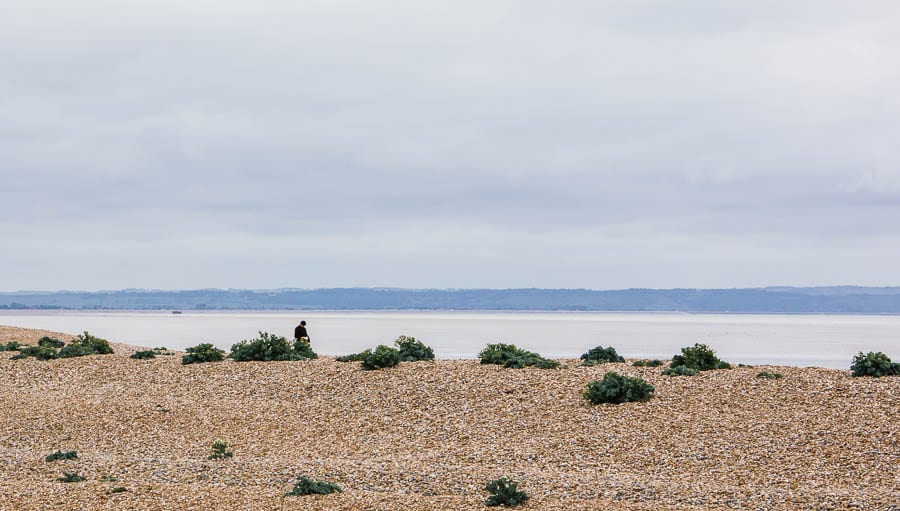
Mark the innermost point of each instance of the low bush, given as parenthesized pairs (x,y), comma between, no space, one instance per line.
(307,486)
(269,348)
(680,371)
(38,352)
(508,355)
(143,354)
(204,352)
(85,344)
(700,357)
(60,455)
(379,358)
(70,477)
(617,388)
(648,363)
(412,350)
(874,364)
(353,357)
(50,342)
(11,346)
(220,452)
(769,376)
(504,492)
(601,355)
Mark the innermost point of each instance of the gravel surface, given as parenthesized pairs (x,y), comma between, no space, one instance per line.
(429,435)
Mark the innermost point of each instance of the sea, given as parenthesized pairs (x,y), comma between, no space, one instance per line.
(758,339)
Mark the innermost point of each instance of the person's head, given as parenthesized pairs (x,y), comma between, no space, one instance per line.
(303,323)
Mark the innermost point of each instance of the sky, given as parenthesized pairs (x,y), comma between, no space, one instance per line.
(585,144)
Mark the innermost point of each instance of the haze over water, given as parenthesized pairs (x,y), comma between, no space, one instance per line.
(800,340)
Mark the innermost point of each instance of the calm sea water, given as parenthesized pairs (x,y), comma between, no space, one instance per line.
(799,340)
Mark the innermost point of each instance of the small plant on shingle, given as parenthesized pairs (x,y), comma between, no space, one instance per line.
(508,355)
(11,346)
(201,353)
(648,363)
(379,358)
(769,376)
(268,347)
(38,352)
(143,354)
(680,371)
(307,486)
(504,492)
(70,477)
(873,364)
(601,355)
(85,344)
(220,452)
(60,455)
(353,357)
(700,357)
(50,342)
(117,489)
(412,350)
(617,388)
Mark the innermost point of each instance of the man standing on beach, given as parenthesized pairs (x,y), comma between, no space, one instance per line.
(300,332)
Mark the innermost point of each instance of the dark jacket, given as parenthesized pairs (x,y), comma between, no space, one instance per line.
(300,331)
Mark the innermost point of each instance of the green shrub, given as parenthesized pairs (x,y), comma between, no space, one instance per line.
(60,455)
(70,477)
(700,357)
(11,346)
(85,344)
(504,492)
(268,348)
(50,342)
(601,355)
(412,350)
(680,371)
(38,352)
(874,364)
(648,363)
(307,486)
(617,388)
(508,355)
(353,357)
(379,358)
(768,375)
(204,352)
(219,451)
(143,354)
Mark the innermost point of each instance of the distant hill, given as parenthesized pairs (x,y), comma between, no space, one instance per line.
(842,299)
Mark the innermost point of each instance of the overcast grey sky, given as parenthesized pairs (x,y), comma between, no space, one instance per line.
(599,144)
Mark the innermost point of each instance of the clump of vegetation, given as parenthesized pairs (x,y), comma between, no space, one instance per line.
(61,455)
(504,492)
(268,348)
(769,376)
(307,486)
(85,344)
(143,354)
(50,342)
(117,489)
(11,346)
(412,350)
(874,364)
(38,352)
(70,477)
(648,363)
(617,388)
(680,371)
(508,355)
(204,352)
(601,355)
(220,452)
(353,357)
(700,357)
(379,358)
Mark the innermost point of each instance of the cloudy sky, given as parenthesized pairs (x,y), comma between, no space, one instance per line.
(600,144)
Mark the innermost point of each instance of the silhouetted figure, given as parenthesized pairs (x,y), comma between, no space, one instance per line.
(300,332)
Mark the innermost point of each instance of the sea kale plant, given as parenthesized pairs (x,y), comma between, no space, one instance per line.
(379,358)
(268,347)
(11,346)
(307,486)
(680,371)
(874,364)
(38,352)
(648,363)
(412,350)
(617,388)
(508,355)
(143,354)
(504,492)
(219,451)
(50,342)
(85,344)
(699,357)
(353,357)
(601,355)
(60,455)
(204,352)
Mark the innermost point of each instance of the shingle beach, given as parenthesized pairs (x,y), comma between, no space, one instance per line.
(429,435)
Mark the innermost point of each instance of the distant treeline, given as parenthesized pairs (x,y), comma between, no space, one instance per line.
(848,299)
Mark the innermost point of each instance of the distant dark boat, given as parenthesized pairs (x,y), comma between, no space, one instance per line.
(176,312)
